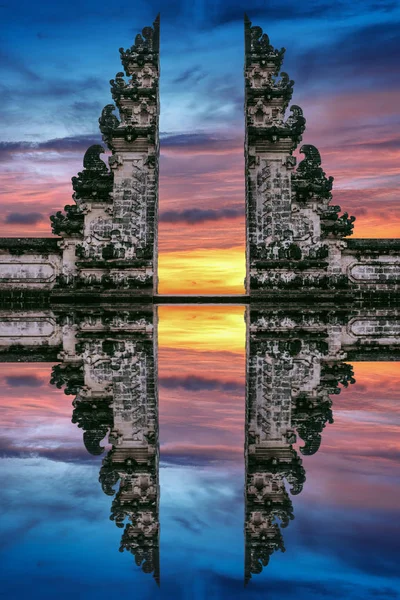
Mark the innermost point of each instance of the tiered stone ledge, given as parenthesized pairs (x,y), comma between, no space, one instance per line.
(30,245)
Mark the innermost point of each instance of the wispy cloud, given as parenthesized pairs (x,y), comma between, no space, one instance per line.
(197,215)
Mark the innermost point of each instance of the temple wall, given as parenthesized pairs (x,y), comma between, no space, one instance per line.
(372,264)
(29,329)
(29,263)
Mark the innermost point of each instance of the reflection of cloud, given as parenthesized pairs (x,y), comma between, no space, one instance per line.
(192,454)
(202,328)
(10,448)
(195,383)
(24,380)
(355,530)
(195,525)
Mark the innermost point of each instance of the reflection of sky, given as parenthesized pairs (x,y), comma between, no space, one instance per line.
(57,62)
(57,540)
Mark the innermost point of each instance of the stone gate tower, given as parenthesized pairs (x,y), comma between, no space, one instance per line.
(110,236)
(107,239)
(286,210)
(295,239)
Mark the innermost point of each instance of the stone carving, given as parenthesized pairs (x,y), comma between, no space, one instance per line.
(101,228)
(292,233)
(295,362)
(95,181)
(379,272)
(108,124)
(309,181)
(333,225)
(69,223)
(114,380)
(21,272)
(95,417)
(145,49)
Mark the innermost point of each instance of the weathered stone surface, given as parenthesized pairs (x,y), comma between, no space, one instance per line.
(29,266)
(113,222)
(288,210)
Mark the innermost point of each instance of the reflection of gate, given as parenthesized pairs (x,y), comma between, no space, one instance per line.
(107,359)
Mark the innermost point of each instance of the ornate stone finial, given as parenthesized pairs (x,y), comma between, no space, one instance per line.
(95,181)
(333,225)
(69,223)
(108,123)
(297,123)
(69,376)
(95,418)
(258,48)
(309,180)
(144,50)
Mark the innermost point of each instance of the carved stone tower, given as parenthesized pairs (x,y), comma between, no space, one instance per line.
(294,238)
(134,141)
(110,235)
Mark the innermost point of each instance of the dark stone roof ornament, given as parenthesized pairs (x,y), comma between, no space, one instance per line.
(309,419)
(144,50)
(309,180)
(108,123)
(296,122)
(96,419)
(258,48)
(70,377)
(95,181)
(121,89)
(333,225)
(69,223)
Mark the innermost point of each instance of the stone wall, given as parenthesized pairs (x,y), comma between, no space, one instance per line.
(29,263)
(372,264)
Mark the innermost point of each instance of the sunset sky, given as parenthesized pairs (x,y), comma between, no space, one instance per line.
(57,61)
(56,537)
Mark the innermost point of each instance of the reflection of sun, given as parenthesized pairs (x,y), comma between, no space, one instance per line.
(207,271)
(204,328)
